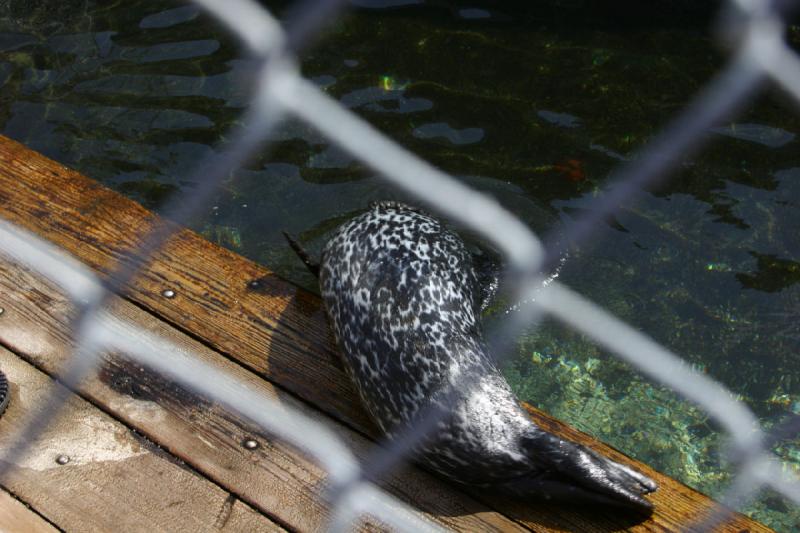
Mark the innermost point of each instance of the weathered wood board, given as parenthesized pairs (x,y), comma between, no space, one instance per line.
(15,517)
(113,480)
(274,477)
(268,326)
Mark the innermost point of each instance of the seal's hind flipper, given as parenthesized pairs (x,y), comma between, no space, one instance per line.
(582,473)
(312,266)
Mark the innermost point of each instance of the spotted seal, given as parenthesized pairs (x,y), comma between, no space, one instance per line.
(404,302)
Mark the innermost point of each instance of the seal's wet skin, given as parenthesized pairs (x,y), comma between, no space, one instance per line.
(404,302)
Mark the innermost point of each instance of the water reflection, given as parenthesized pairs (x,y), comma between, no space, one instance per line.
(757,133)
(443,130)
(560,119)
(384,99)
(170,17)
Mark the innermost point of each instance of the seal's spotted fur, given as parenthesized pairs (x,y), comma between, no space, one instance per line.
(404,301)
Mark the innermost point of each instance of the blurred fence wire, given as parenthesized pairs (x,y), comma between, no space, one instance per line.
(753,29)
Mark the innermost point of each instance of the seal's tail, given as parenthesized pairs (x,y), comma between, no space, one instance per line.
(573,472)
(312,266)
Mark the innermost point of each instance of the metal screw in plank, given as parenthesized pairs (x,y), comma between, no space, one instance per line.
(250,444)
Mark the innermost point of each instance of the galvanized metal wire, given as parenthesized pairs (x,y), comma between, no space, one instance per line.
(758,56)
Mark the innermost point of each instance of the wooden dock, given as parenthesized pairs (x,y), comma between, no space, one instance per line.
(134,452)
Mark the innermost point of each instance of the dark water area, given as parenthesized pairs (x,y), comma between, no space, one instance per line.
(536,106)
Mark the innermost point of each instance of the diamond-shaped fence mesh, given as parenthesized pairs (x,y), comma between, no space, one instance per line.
(753,31)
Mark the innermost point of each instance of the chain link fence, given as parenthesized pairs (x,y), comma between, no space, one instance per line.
(753,29)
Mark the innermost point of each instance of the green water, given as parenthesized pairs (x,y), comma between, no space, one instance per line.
(536,108)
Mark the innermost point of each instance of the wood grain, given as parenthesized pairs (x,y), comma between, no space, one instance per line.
(274,477)
(15,517)
(239,307)
(114,480)
(262,322)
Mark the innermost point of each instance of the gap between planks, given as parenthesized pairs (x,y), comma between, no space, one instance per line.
(112,479)
(17,517)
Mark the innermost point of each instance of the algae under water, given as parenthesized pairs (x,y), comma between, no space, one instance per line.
(536,106)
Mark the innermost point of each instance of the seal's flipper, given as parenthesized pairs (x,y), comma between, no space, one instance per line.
(594,478)
(312,266)
(488,269)
(560,489)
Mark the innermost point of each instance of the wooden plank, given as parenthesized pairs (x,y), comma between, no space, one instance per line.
(246,312)
(239,307)
(113,480)
(274,478)
(15,517)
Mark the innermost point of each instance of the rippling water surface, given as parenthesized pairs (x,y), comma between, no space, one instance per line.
(536,106)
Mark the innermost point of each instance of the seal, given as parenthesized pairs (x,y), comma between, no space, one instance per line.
(404,301)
